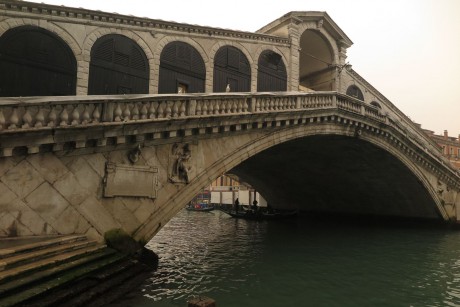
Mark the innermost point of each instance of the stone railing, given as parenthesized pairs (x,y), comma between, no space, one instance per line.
(35,114)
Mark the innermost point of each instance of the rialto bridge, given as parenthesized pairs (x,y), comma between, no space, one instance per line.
(279,108)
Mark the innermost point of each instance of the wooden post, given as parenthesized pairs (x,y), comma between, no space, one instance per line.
(201,301)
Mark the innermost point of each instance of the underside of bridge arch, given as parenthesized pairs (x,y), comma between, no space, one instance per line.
(337,174)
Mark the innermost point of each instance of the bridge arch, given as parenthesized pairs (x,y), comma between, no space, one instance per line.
(91,39)
(390,151)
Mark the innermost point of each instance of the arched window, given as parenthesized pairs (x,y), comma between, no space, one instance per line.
(182,69)
(376,104)
(355,92)
(36,62)
(231,67)
(272,74)
(118,66)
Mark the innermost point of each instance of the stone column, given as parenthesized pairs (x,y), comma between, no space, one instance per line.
(294,60)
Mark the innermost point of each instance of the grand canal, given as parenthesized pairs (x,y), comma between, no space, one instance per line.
(301,262)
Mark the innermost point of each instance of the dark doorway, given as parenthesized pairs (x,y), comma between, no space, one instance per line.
(231,67)
(118,66)
(181,69)
(36,62)
(272,76)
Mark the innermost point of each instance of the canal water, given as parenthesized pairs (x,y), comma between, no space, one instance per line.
(301,262)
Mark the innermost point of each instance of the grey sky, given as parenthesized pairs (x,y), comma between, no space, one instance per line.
(408,49)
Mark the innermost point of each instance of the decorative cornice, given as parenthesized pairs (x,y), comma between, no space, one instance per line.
(126,20)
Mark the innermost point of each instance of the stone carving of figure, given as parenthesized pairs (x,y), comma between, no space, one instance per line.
(181,167)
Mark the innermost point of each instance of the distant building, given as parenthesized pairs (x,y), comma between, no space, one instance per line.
(449,145)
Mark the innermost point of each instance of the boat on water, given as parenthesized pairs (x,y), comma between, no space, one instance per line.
(195,206)
(261,215)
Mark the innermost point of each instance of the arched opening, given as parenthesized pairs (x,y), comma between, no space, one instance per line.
(231,67)
(325,174)
(355,92)
(118,66)
(376,104)
(316,72)
(36,62)
(272,75)
(182,69)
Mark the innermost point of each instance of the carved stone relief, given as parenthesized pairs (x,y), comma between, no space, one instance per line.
(181,164)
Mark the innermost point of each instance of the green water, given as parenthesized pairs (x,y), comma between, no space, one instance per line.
(301,262)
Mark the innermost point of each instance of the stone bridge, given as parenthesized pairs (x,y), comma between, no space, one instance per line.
(94,137)
(95,163)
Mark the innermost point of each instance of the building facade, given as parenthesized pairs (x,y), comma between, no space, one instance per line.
(449,145)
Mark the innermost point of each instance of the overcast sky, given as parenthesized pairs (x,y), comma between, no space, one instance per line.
(408,49)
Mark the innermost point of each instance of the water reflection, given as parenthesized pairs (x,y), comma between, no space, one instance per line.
(301,263)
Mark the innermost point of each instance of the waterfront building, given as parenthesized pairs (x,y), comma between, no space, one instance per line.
(449,145)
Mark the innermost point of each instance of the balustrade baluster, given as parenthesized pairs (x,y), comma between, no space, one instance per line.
(168,110)
(85,117)
(160,109)
(240,106)
(182,108)
(211,107)
(64,116)
(135,112)
(126,112)
(271,104)
(245,105)
(26,119)
(117,113)
(198,107)
(216,106)
(96,114)
(14,119)
(153,110)
(222,103)
(144,111)
(52,117)
(175,108)
(75,116)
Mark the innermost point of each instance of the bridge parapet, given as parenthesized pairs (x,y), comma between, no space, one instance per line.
(45,118)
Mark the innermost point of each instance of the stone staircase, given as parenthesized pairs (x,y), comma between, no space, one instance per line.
(64,271)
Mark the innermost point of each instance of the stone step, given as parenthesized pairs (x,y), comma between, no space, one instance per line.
(42,287)
(13,248)
(55,260)
(34,255)
(92,286)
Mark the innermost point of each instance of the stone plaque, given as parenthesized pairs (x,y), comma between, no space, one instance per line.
(130,180)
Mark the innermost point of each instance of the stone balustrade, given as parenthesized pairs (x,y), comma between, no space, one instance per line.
(35,114)
(32,113)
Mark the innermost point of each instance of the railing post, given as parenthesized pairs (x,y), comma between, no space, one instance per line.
(252,105)
(363,110)
(298,103)
(334,101)
(107,111)
(191,107)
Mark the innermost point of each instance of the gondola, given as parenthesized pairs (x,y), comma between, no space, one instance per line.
(261,215)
